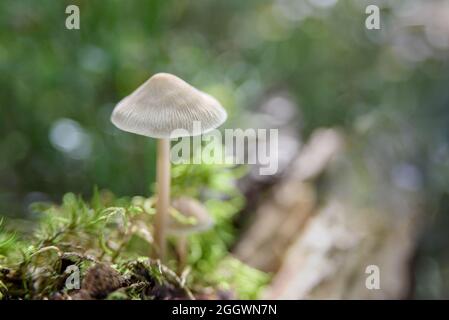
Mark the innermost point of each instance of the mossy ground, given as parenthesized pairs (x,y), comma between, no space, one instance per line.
(108,240)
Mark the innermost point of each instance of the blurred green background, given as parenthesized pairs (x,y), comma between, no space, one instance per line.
(58,87)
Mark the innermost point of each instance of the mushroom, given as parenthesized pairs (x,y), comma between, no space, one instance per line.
(189,217)
(160,106)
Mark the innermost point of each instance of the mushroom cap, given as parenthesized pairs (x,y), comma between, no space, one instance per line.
(165,103)
(195,217)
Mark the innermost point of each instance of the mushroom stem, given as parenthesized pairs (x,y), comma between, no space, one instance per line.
(163,195)
(182,252)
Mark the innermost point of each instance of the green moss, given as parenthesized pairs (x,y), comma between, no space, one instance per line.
(116,232)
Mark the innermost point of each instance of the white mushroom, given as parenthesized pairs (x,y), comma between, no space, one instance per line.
(190,217)
(161,105)
(193,218)
(165,103)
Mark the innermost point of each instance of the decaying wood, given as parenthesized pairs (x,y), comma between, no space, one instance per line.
(330,258)
(284,212)
(334,215)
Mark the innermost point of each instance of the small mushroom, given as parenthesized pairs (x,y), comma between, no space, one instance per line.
(156,109)
(189,217)
(193,217)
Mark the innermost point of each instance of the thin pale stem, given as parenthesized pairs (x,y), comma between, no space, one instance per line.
(182,252)
(163,195)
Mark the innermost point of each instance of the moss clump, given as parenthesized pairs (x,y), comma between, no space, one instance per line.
(107,239)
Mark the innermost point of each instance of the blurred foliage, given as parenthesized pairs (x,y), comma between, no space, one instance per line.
(215,184)
(322,55)
(58,88)
(7,242)
(236,276)
(208,255)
